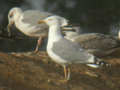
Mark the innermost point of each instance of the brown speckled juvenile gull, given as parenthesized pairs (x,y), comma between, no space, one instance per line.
(26,22)
(63,51)
(95,43)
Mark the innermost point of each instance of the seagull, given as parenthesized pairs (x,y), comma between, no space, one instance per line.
(63,51)
(26,22)
(96,43)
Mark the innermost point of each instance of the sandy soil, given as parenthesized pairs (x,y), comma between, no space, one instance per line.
(30,71)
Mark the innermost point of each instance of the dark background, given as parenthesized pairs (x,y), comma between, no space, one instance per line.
(100,16)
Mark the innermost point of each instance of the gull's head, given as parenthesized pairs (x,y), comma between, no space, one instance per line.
(55,20)
(12,14)
(70,34)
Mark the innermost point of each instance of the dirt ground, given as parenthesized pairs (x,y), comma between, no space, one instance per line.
(30,71)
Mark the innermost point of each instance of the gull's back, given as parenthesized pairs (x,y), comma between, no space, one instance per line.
(33,16)
(71,52)
(97,41)
(30,20)
(98,44)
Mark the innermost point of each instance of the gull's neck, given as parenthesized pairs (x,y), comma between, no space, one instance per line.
(17,19)
(54,34)
(17,15)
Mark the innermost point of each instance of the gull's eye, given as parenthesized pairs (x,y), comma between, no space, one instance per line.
(11,15)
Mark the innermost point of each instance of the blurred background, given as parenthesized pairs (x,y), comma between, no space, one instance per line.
(100,16)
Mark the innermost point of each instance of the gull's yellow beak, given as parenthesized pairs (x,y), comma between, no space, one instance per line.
(41,21)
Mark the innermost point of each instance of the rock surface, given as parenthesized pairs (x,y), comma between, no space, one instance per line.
(30,71)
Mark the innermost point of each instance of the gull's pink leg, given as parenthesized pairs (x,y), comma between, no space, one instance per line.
(39,43)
